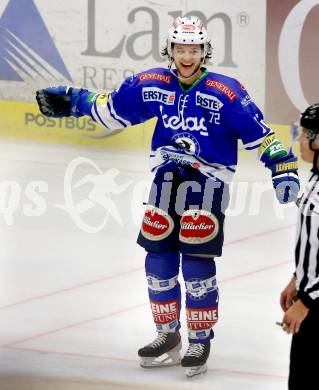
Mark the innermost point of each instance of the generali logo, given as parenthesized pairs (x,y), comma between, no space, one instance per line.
(27,51)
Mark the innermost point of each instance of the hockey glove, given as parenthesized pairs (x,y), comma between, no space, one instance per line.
(58,102)
(285,178)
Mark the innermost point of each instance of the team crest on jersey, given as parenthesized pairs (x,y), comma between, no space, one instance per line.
(154,94)
(207,101)
(198,227)
(187,142)
(164,78)
(221,87)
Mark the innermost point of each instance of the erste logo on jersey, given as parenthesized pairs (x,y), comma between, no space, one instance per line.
(207,101)
(221,87)
(165,78)
(154,94)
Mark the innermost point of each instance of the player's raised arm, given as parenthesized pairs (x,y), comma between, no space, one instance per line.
(257,136)
(115,110)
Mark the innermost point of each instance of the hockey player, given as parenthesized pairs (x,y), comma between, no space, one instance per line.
(300,299)
(201,116)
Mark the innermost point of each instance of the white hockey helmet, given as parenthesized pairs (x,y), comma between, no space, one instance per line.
(187,30)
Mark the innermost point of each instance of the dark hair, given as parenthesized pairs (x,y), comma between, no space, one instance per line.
(164,51)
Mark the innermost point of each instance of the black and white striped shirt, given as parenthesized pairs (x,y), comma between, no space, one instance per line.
(307,244)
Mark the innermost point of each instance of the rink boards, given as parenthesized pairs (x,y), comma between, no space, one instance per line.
(23,121)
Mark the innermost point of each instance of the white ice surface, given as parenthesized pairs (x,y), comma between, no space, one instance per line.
(74,304)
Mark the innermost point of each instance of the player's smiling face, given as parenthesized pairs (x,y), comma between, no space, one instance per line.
(187,59)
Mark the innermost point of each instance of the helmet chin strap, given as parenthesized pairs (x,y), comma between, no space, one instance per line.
(178,76)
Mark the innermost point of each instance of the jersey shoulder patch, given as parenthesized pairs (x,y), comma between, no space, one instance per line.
(226,86)
(159,76)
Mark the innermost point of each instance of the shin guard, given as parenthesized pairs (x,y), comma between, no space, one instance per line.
(201,297)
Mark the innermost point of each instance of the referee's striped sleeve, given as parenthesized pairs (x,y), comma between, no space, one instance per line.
(307,245)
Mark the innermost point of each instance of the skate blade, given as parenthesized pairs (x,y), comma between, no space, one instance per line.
(171,358)
(193,371)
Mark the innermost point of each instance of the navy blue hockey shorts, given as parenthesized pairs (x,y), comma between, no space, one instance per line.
(185,213)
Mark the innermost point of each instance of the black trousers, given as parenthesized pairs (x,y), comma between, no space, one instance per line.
(304,361)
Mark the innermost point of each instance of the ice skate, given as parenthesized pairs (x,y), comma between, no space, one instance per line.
(195,359)
(164,351)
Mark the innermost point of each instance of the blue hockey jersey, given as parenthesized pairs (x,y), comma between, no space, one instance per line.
(199,127)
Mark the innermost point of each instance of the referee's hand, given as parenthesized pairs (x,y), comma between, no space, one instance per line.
(294,316)
(288,295)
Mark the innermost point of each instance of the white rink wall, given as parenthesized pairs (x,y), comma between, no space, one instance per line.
(100,44)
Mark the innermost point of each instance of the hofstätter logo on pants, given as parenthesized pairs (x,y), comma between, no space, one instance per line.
(27,51)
